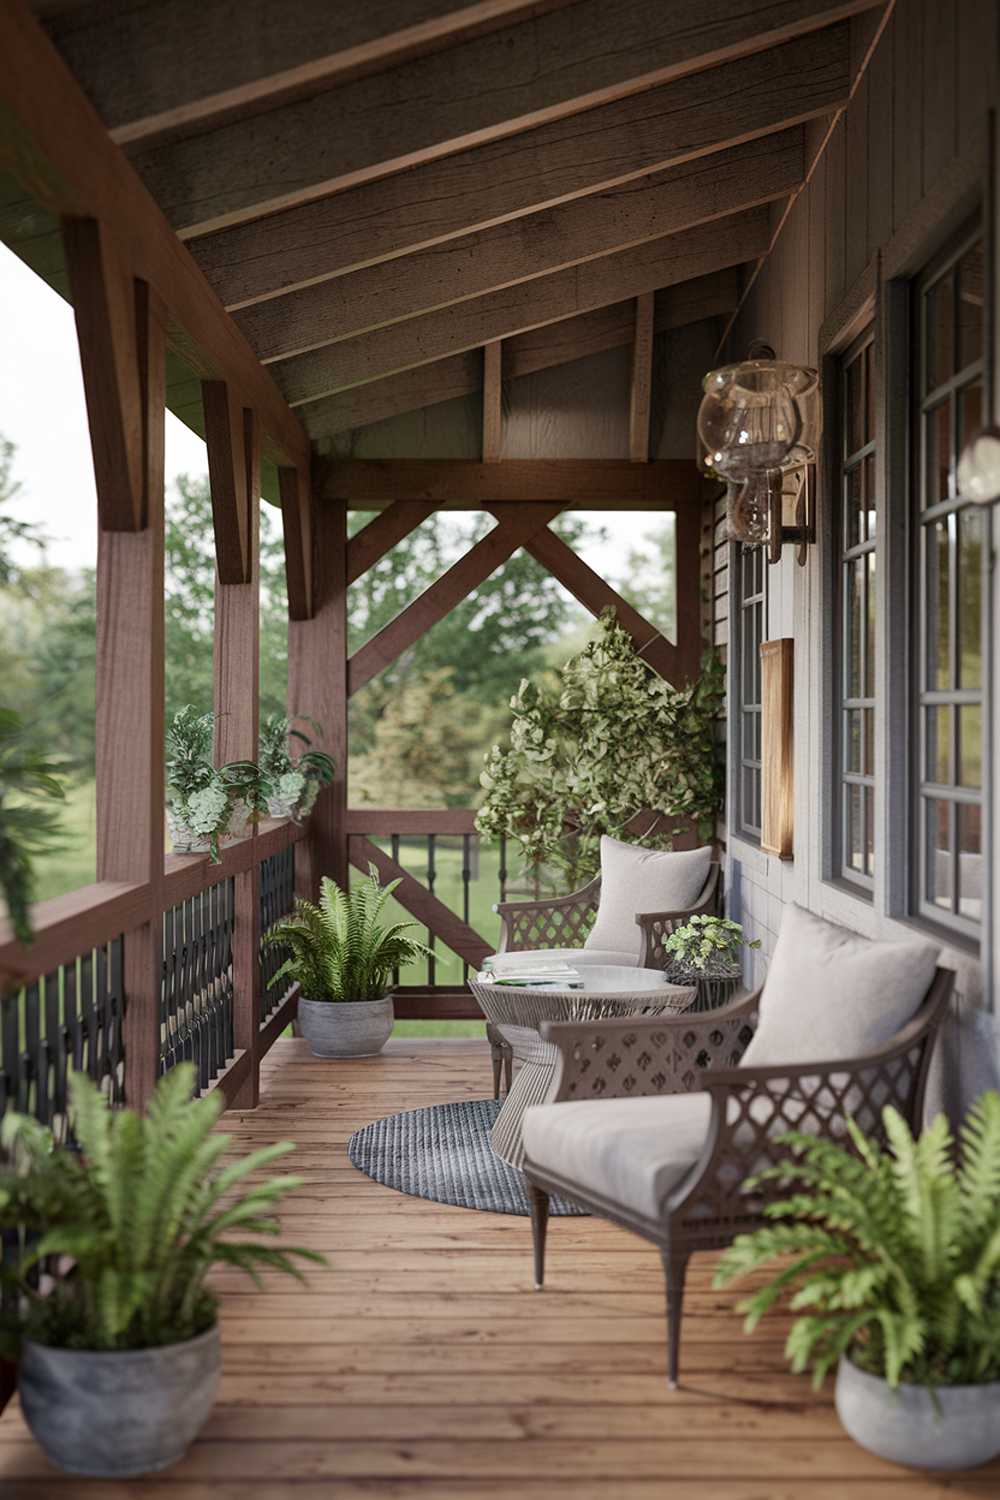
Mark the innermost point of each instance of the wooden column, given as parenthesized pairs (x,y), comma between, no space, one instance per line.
(234,444)
(317,686)
(130,646)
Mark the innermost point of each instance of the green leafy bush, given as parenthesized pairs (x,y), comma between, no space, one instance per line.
(891,1258)
(139,1216)
(606,740)
(708,945)
(28,778)
(341,949)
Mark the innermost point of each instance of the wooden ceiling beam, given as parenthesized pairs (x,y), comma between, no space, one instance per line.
(58,149)
(579,484)
(484,185)
(759,171)
(228,473)
(184,72)
(713,296)
(390,527)
(465,325)
(542,68)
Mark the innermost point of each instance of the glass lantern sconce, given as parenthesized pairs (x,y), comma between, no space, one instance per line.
(758,428)
(979,467)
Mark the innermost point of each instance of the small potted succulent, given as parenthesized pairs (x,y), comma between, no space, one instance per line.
(118,1340)
(294,783)
(892,1259)
(343,957)
(707,951)
(205,804)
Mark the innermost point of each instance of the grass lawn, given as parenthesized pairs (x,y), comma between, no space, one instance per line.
(76,865)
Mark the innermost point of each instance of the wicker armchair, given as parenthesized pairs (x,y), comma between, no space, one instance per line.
(749,1108)
(564,921)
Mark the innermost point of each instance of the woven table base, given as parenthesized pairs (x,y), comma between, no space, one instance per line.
(443,1153)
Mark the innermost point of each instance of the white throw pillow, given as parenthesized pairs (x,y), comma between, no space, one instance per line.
(637,880)
(831,994)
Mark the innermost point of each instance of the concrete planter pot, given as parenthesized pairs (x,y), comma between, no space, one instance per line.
(346,1028)
(119,1414)
(184,841)
(282,807)
(907,1427)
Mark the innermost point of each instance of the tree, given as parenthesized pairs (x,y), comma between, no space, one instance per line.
(427,747)
(13,531)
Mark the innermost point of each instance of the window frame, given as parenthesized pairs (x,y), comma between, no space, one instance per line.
(924,701)
(747,708)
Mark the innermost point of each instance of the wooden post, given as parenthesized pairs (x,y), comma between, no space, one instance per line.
(237,702)
(492,400)
(642,379)
(317,686)
(130,648)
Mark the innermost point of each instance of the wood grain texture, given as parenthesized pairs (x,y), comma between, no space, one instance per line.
(184,71)
(60,151)
(390,527)
(421,1364)
(540,348)
(584,484)
(296,521)
(641,390)
(555,66)
(777,748)
(420,902)
(529,304)
(388,820)
(227,471)
(516,528)
(642,209)
(492,400)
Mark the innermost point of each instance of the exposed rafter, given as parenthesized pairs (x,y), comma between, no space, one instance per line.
(643,209)
(578,484)
(465,325)
(484,185)
(548,66)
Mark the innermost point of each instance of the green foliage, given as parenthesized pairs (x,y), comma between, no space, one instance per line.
(13,531)
(341,949)
(201,798)
(28,779)
(708,945)
(892,1258)
(293,782)
(426,749)
(606,740)
(141,1214)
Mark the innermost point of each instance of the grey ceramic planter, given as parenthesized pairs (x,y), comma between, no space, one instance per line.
(346,1028)
(117,1415)
(906,1427)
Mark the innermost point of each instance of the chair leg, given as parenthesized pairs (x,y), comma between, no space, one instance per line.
(674,1267)
(508,1066)
(498,1047)
(539,1201)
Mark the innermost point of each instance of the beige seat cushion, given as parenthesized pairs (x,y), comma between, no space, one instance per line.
(640,880)
(631,1152)
(831,994)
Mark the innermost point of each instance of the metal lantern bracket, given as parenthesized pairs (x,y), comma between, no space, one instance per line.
(803,533)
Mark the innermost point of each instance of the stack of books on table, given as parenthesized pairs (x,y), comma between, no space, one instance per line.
(552,975)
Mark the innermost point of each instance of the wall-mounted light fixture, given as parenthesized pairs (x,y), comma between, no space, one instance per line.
(759,426)
(979,467)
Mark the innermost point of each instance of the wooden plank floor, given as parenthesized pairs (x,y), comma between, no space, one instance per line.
(422,1364)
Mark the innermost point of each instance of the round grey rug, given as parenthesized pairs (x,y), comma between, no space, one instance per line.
(443,1153)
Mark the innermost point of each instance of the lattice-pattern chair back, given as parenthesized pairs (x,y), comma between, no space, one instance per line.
(562,923)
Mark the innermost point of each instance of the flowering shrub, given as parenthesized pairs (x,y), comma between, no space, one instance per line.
(605,740)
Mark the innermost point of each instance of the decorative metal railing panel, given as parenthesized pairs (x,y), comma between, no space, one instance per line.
(277,899)
(71,1018)
(196,994)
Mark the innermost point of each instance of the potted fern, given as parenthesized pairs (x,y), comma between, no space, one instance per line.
(893,1262)
(204,804)
(118,1339)
(343,956)
(294,784)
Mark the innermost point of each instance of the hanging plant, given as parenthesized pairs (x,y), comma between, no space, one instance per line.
(606,740)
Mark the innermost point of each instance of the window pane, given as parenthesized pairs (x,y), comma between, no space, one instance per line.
(870,628)
(853,612)
(939,851)
(854,857)
(970,412)
(938,663)
(970,862)
(938,748)
(869,358)
(970,745)
(854,402)
(854,507)
(869,756)
(970,597)
(852,746)
(869,464)
(939,310)
(937,430)
(869,830)
(970,306)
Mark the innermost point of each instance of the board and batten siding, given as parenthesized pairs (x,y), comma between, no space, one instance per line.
(895,173)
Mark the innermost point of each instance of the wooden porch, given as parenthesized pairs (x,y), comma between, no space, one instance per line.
(422,1364)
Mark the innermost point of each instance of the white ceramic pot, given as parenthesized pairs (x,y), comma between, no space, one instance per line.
(282,807)
(953,1427)
(346,1028)
(182,838)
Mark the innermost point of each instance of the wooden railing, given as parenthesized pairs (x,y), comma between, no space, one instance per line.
(66,1001)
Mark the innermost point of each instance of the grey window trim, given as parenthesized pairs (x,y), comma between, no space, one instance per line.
(925,791)
(745,699)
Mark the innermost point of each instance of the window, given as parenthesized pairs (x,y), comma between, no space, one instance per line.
(750,565)
(856,599)
(950,588)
